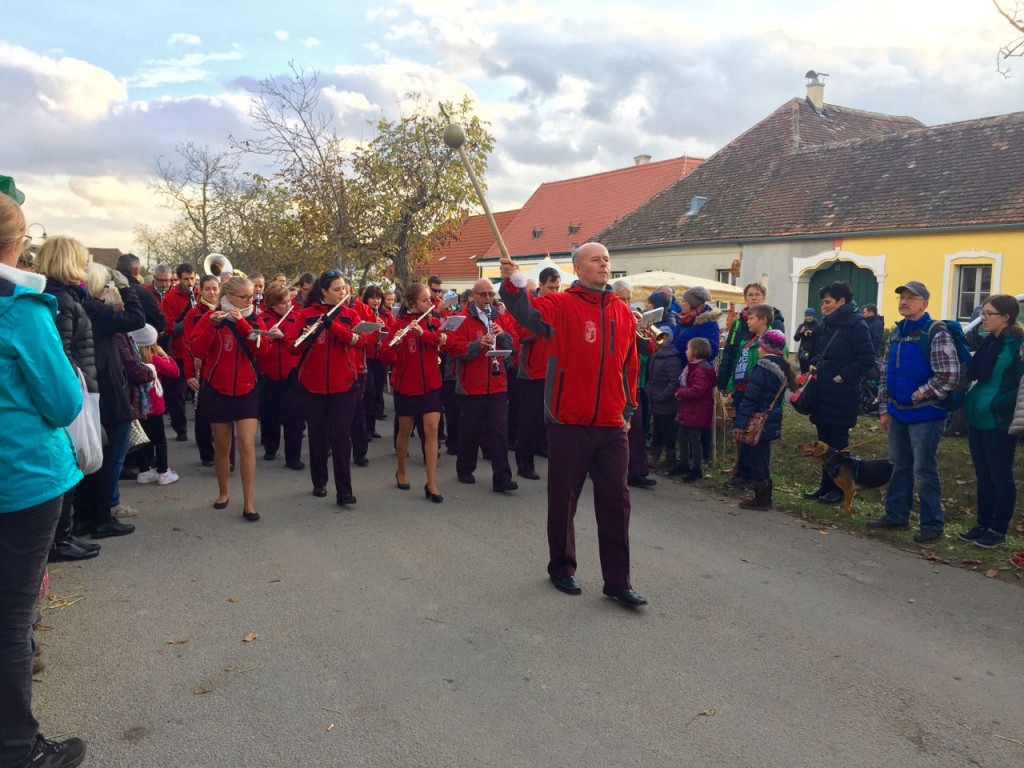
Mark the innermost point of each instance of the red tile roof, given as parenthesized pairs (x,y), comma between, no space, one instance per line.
(738,179)
(474,239)
(563,214)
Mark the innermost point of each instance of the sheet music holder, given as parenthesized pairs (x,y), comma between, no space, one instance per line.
(499,352)
(450,302)
(453,323)
(367,327)
(651,317)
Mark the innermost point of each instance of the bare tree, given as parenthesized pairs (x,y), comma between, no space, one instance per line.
(298,134)
(198,183)
(1015,47)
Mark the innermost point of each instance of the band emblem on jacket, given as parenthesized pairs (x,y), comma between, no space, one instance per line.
(590,331)
(229,342)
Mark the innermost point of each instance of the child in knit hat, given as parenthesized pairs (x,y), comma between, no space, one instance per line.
(768,374)
(152,405)
(807,336)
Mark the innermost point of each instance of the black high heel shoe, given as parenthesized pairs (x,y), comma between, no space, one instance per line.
(401,486)
(437,498)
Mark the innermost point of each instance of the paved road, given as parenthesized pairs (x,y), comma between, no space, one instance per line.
(403,633)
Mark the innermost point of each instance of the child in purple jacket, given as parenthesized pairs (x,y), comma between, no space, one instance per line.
(696,396)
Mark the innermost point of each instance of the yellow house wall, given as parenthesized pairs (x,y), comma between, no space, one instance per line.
(933,259)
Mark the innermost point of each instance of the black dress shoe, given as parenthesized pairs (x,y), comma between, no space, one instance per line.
(345,499)
(626,596)
(207,462)
(83,543)
(816,494)
(641,481)
(68,549)
(466,478)
(832,497)
(567,584)
(361,461)
(113,528)
(452,451)
(295,465)
(181,437)
(269,456)
(508,485)
(376,435)
(319,491)
(529,475)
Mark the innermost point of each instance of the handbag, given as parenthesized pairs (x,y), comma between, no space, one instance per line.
(86,432)
(803,399)
(751,434)
(136,435)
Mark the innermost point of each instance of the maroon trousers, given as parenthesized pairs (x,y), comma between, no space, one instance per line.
(329,420)
(482,423)
(531,422)
(637,449)
(603,453)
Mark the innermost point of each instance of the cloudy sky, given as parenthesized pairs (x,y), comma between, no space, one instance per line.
(94,92)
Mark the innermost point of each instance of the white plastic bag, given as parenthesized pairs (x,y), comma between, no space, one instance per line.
(86,431)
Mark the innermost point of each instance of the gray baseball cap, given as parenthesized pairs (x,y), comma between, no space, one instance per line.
(916,288)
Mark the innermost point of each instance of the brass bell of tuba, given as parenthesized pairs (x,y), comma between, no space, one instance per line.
(216,263)
(652,333)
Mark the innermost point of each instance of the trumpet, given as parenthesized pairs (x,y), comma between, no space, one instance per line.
(401,333)
(650,333)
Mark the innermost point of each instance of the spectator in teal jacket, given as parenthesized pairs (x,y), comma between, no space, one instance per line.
(39,397)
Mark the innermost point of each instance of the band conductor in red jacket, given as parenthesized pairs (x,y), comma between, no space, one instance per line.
(589,401)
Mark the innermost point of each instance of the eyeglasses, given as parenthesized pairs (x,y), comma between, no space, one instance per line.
(247,297)
(437,290)
(484,293)
(986,313)
(330,274)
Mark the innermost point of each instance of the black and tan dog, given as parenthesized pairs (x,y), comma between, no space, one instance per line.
(848,472)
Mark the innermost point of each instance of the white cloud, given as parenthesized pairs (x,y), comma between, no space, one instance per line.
(185,38)
(281,35)
(311,42)
(67,86)
(345,102)
(189,68)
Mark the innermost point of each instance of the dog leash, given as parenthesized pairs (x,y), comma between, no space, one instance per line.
(863,442)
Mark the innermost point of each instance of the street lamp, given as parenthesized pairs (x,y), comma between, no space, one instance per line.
(28,229)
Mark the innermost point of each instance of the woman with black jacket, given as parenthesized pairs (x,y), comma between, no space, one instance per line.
(112,308)
(62,261)
(843,354)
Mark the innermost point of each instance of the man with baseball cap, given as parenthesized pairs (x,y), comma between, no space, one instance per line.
(911,384)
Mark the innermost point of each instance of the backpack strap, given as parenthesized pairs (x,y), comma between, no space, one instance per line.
(244,345)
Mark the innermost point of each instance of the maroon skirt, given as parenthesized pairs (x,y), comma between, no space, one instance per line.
(221,409)
(417,405)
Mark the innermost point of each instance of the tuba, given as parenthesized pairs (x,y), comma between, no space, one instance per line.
(216,263)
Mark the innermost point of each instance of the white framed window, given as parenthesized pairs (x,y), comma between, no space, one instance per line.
(725,276)
(974,285)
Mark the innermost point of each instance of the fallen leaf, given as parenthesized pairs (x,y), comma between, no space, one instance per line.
(823,533)
(971,562)
(202,689)
(991,573)
(176,642)
(233,599)
(912,600)
(707,712)
(330,727)
(250,637)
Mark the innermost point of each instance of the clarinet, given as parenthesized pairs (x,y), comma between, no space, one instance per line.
(495,361)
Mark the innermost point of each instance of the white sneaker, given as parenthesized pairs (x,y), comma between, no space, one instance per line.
(147,477)
(168,477)
(122,511)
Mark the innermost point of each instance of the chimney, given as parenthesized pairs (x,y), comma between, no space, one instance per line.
(641,159)
(816,89)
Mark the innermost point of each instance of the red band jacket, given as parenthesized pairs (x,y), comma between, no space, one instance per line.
(327,363)
(593,368)
(225,364)
(475,373)
(414,359)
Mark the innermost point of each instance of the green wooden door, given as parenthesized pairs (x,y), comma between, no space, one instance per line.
(862,282)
